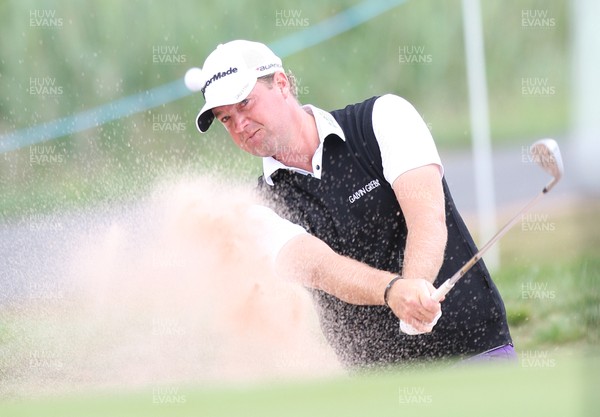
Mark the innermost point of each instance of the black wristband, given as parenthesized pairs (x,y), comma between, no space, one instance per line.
(388,288)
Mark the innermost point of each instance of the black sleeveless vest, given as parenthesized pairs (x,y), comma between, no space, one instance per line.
(354,210)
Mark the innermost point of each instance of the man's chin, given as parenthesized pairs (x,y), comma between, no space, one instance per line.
(260,151)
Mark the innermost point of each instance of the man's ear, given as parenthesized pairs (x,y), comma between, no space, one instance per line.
(281,82)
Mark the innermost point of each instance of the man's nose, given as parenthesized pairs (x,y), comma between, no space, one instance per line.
(239,123)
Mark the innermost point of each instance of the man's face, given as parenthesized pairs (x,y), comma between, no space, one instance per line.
(257,123)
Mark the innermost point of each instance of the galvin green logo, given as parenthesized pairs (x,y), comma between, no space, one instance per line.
(367,188)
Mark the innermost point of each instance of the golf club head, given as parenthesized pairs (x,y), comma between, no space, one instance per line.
(546,154)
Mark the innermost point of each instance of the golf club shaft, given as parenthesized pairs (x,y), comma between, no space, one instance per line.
(443,289)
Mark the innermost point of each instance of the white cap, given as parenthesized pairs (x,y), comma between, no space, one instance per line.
(230,73)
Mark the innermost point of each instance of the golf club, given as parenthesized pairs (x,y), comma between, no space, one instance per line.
(545,153)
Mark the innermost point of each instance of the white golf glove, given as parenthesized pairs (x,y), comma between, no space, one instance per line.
(409,330)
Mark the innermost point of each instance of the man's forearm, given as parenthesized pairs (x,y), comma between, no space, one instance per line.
(421,198)
(424,252)
(314,264)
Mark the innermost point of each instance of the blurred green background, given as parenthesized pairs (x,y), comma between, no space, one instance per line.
(100,51)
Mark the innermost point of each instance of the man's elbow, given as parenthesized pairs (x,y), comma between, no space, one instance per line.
(301,260)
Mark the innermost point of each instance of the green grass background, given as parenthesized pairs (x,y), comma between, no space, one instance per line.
(563,388)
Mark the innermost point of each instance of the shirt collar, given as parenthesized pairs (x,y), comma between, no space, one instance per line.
(326,125)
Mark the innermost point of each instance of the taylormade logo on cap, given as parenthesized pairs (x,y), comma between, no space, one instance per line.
(218,76)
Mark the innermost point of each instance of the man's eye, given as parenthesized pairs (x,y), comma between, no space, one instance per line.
(224,119)
(244,102)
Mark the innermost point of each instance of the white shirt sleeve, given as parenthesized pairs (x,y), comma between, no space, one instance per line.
(275,230)
(403,137)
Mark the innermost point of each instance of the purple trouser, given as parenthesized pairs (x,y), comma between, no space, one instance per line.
(505,353)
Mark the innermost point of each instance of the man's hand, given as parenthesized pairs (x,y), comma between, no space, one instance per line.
(410,300)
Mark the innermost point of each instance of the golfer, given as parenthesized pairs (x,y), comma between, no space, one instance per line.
(371,228)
